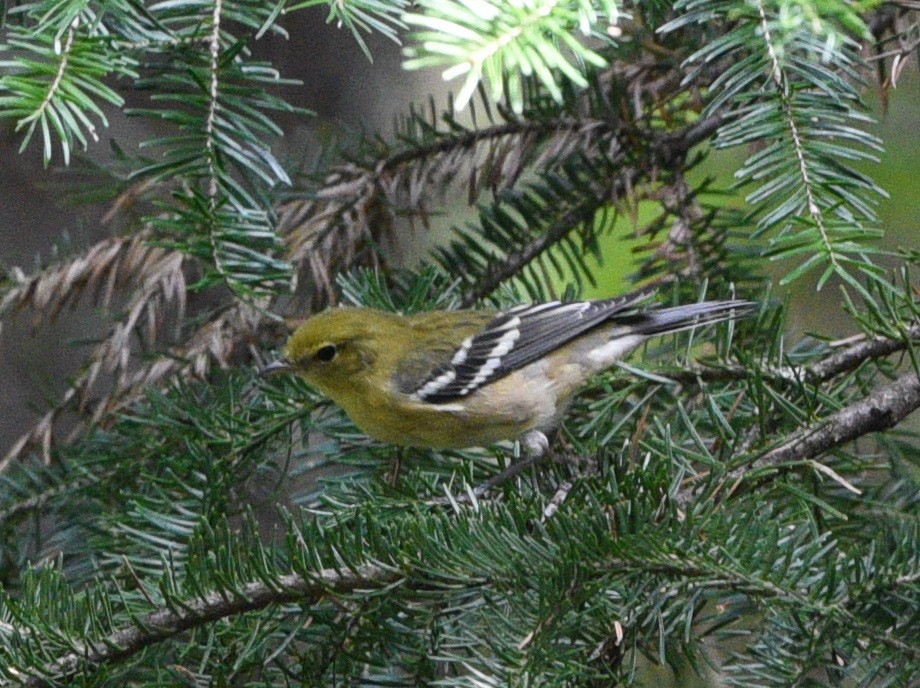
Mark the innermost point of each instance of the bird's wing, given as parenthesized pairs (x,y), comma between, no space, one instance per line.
(513,339)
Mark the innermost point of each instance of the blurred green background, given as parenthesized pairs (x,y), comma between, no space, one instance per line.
(898,172)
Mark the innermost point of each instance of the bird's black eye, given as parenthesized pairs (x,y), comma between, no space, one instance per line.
(326,353)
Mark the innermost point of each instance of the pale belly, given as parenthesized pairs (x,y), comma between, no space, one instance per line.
(504,410)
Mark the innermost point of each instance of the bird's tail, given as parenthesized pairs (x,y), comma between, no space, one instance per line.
(677,318)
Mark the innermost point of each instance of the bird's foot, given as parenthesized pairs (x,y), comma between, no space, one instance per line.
(534,446)
(535,443)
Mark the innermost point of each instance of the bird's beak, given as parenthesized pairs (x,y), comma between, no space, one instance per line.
(282,365)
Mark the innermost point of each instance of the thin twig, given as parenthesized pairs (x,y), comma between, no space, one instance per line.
(565,488)
(470,139)
(854,355)
(56,84)
(558,499)
(843,361)
(501,271)
(783,90)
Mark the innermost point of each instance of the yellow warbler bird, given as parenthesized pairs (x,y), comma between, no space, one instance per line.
(455,379)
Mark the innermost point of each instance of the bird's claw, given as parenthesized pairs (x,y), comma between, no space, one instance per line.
(535,443)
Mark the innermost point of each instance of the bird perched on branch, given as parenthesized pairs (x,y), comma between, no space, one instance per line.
(468,378)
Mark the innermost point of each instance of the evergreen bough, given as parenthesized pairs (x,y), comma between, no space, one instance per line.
(736,505)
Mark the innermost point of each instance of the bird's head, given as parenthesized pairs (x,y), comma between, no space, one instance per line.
(337,347)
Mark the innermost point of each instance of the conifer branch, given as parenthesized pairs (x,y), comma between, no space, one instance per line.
(883,409)
(55,85)
(350,181)
(854,355)
(214,50)
(209,133)
(353,204)
(613,566)
(38,500)
(666,151)
(159,285)
(782,88)
(474,137)
(170,621)
(104,270)
(844,360)
(503,270)
(694,567)
(214,345)
(674,146)
(166,623)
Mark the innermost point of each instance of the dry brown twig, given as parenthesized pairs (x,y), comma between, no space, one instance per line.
(358,207)
(105,270)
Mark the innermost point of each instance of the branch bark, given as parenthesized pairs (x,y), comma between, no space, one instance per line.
(169,622)
(854,355)
(842,361)
(501,271)
(883,409)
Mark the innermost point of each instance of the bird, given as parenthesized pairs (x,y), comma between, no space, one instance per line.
(455,379)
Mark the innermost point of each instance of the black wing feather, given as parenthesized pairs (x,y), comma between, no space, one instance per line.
(515,338)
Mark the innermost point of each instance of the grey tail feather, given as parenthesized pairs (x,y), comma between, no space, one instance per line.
(677,318)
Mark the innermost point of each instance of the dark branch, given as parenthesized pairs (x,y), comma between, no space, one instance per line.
(348,181)
(842,361)
(883,409)
(471,138)
(673,147)
(167,623)
(503,270)
(854,355)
